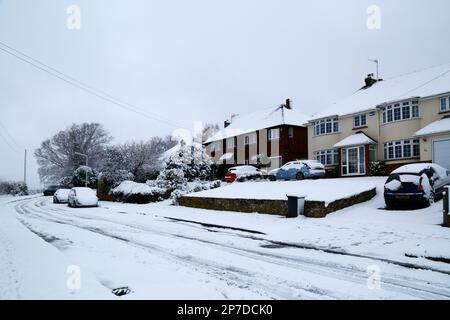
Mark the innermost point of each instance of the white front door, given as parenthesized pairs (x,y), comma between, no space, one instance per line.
(353,161)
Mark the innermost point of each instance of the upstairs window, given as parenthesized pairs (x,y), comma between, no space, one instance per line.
(326,126)
(359,121)
(230,143)
(445,104)
(215,146)
(250,139)
(291,132)
(273,134)
(401,111)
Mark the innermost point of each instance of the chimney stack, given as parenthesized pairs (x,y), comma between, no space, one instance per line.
(369,81)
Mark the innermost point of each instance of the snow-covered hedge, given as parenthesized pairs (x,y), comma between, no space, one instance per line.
(158,190)
(129,191)
(14,188)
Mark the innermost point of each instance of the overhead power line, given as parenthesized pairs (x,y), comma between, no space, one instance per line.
(83,86)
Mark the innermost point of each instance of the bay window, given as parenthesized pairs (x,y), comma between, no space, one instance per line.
(402,149)
(327,157)
(401,111)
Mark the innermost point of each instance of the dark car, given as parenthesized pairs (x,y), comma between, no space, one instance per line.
(50,190)
(415,185)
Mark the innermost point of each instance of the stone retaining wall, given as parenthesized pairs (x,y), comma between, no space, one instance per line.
(313,209)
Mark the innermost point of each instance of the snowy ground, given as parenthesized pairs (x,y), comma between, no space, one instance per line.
(327,190)
(151,250)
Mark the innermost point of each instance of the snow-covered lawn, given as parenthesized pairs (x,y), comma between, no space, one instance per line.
(162,251)
(327,190)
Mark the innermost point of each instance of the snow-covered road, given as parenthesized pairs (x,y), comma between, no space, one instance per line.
(156,257)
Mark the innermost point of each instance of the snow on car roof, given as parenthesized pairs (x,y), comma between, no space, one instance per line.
(84,190)
(440,126)
(427,82)
(260,119)
(416,168)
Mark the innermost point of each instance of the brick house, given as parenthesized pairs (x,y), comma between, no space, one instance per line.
(267,138)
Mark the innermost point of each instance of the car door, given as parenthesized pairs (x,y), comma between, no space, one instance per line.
(283,172)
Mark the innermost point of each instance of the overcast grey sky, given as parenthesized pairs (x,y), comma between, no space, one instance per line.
(197,60)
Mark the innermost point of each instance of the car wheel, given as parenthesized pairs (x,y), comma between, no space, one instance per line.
(299,176)
(431,198)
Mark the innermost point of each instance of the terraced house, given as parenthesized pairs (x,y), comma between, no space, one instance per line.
(268,137)
(399,120)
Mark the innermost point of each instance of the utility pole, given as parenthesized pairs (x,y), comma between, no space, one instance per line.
(25,167)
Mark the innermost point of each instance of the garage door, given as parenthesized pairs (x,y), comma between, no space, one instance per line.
(441,153)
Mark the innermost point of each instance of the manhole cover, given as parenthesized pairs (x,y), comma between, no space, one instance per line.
(121,291)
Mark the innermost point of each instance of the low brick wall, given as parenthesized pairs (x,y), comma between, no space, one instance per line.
(313,209)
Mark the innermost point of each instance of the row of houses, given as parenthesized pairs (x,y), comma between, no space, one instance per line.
(399,120)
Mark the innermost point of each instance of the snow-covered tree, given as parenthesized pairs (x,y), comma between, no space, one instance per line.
(114,169)
(57,157)
(79,177)
(192,160)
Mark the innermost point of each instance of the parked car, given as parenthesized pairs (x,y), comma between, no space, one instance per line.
(415,185)
(50,190)
(273,174)
(301,169)
(61,196)
(243,173)
(82,197)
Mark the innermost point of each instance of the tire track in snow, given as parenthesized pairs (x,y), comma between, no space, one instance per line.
(302,264)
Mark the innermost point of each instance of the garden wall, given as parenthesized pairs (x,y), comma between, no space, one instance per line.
(313,209)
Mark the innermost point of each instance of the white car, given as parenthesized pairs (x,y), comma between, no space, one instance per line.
(82,197)
(61,196)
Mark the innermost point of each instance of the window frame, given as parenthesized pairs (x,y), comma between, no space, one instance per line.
(323,156)
(251,139)
(326,126)
(395,150)
(446,101)
(400,111)
(291,132)
(270,135)
(359,118)
(233,145)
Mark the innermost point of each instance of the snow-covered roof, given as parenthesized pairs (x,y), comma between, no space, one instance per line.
(440,126)
(424,83)
(260,119)
(356,139)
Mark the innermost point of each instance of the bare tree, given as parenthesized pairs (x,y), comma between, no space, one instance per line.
(209,130)
(143,158)
(57,157)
